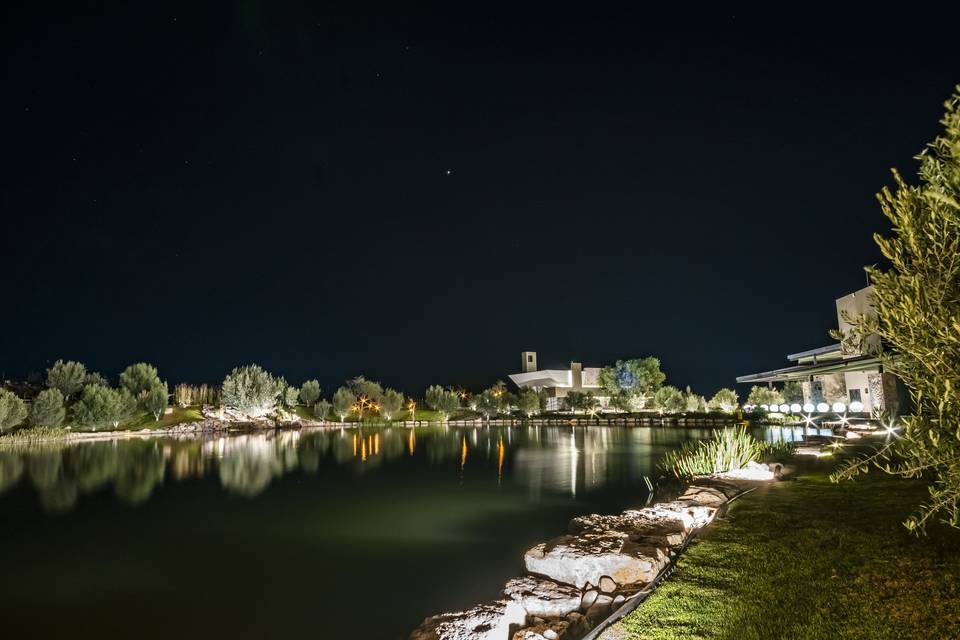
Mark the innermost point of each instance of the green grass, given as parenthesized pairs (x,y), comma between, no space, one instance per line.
(34,434)
(811,560)
(179,415)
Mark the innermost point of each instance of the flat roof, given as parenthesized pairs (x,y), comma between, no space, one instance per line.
(819,351)
(804,371)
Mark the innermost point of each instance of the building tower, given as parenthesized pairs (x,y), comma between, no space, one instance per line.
(529,361)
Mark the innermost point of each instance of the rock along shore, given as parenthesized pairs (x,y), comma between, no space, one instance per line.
(573,582)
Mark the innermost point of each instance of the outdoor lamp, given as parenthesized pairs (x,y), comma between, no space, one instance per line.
(823,407)
(839,407)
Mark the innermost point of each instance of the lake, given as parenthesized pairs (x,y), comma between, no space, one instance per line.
(332,533)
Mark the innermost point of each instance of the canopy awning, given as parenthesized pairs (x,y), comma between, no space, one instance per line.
(806,372)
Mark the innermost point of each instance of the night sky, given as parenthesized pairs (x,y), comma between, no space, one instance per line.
(420,198)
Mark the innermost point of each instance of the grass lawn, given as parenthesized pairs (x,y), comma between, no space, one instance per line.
(177,416)
(810,560)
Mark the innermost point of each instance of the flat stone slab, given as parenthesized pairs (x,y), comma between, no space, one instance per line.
(586,558)
(703,496)
(635,525)
(543,598)
(487,621)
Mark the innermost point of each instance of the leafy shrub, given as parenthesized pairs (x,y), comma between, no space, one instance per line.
(728,450)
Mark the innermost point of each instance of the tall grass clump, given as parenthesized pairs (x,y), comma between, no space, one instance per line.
(35,434)
(728,450)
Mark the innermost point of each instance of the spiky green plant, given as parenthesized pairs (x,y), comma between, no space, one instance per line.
(728,450)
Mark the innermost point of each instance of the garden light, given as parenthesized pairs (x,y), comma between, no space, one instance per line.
(823,407)
(839,407)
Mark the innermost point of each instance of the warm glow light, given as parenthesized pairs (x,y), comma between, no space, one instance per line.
(808,421)
(839,407)
(784,408)
(795,407)
(808,407)
(856,406)
(823,407)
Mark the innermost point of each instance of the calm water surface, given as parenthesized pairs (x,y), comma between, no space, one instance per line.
(357,533)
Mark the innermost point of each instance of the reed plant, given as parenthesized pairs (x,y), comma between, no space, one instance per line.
(727,450)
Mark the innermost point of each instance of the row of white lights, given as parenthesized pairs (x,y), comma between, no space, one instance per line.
(823,407)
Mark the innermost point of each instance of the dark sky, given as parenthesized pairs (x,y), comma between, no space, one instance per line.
(419,198)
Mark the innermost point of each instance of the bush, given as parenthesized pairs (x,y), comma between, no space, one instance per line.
(12,410)
(47,409)
(728,450)
(250,390)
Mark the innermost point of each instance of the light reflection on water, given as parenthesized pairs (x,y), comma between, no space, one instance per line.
(546,460)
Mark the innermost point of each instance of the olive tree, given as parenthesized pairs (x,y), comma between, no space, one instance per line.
(321,409)
(47,409)
(66,376)
(764,395)
(630,382)
(695,402)
(250,390)
(12,410)
(156,399)
(792,392)
(343,401)
(579,401)
(442,401)
(310,392)
(363,388)
(917,302)
(390,403)
(290,397)
(670,400)
(723,400)
(528,402)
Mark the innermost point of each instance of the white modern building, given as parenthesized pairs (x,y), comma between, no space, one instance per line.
(852,376)
(557,383)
